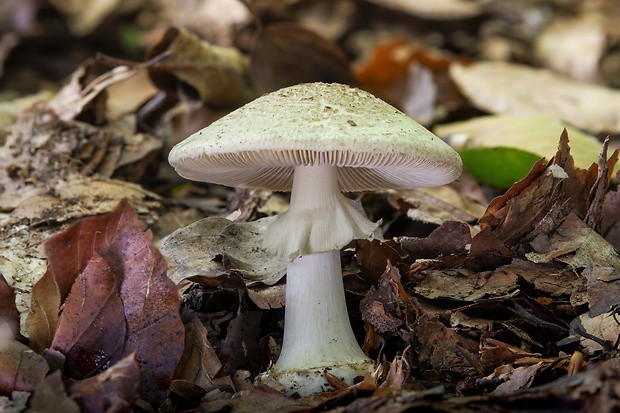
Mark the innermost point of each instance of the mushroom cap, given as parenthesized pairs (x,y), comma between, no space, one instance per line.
(375,145)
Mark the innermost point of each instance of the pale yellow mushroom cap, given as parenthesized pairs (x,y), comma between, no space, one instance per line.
(375,145)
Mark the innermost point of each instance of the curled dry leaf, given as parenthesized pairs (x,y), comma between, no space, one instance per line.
(199,363)
(111,391)
(213,74)
(107,264)
(286,54)
(508,88)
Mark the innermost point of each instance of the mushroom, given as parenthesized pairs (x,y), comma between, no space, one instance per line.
(317,140)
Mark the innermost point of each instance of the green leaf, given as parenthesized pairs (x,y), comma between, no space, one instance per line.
(501,166)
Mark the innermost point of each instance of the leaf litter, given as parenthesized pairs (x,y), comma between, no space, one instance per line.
(464,306)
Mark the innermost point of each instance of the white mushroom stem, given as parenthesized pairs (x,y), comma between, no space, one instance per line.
(317,331)
(320,218)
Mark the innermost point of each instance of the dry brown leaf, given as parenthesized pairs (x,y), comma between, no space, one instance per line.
(118,246)
(199,363)
(508,88)
(436,205)
(573,46)
(286,54)
(437,9)
(241,344)
(112,391)
(21,369)
(92,318)
(84,17)
(518,379)
(50,396)
(215,245)
(213,74)
(451,237)
(464,285)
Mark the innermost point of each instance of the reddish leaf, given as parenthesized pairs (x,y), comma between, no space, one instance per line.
(150,300)
(113,391)
(287,54)
(51,395)
(8,309)
(91,329)
(372,257)
(199,363)
(21,369)
(42,319)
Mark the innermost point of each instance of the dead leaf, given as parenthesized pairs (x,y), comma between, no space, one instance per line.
(436,205)
(508,88)
(439,345)
(21,369)
(372,257)
(91,328)
(603,288)
(8,309)
(518,379)
(597,333)
(436,10)
(451,237)
(286,54)
(149,299)
(215,245)
(464,285)
(573,46)
(50,396)
(112,391)
(42,319)
(383,322)
(261,399)
(213,74)
(84,18)
(241,344)
(199,363)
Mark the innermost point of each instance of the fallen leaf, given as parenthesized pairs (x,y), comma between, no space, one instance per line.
(261,399)
(286,54)
(241,344)
(21,369)
(42,319)
(573,46)
(214,245)
(464,285)
(597,333)
(51,396)
(114,390)
(120,244)
(91,328)
(508,88)
(8,309)
(212,74)
(436,10)
(518,379)
(451,237)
